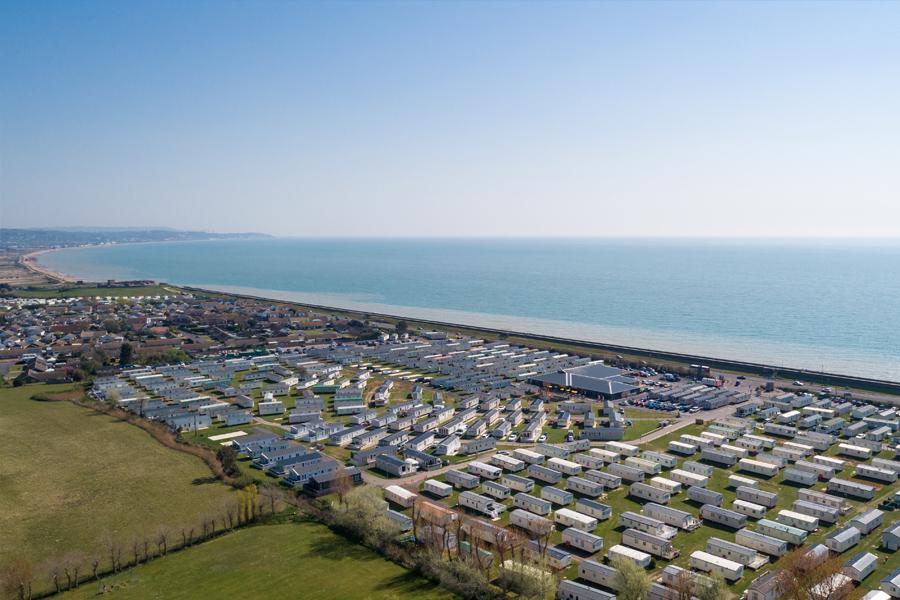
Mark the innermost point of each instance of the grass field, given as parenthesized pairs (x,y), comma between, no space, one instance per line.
(76,292)
(70,477)
(304,560)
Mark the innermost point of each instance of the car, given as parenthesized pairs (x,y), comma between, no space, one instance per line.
(513,437)
(543,438)
(798,383)
(741,377)
(570,437)
(503,452)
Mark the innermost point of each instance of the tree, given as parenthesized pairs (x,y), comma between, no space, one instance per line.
(711,588)
(806,576)
(401,327)
(634,582)
(126,354)
(16,578)
(228,456)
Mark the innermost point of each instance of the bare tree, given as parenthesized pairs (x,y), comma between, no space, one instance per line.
(16,579)
(162,541)
(96,559)
(54,572)
(342,485)
(71,564)
(805,576)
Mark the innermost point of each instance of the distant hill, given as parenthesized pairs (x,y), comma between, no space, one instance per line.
(21,239)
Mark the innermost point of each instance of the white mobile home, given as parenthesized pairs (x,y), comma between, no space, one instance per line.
(671,516)
(788,454)
(633,520)
(663,483)
(641,559)
(622,448)
(626,472)
(801,477)
(861,566)
(557,496)
(530,522)
(734,450)
(843,539)
(822,471)
(705,496)
(571,518)
(484,470)
(723,516)
(572,590)
(588,461)
(854,451)
(703,561)
(766,442)
(688,479)
(496,490)
(767,499)
(804,448)
(647,542)
(649,492)
(532,504)
(698,468)
(437,488)
(823,499)
(780,430)
(608,480)
(592,508)
(514,482)
(761,542)
(851,488)
(798,520)
(564,466)
(718,457)
(835,463)
(528,456)
(758,467)
(596,572)
(755,511)
(715,438)
(460,480)
(877,473)
(507,463)
(647,466)
(482,504)
(584,486)
(867,521)
(582,540)
(400,496)
(544,474)
(736,481)
(736,552)
(606,456)
(781,531)
(824,513)
(682,448)
(666,460)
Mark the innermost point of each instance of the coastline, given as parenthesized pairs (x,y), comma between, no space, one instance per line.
(30,261)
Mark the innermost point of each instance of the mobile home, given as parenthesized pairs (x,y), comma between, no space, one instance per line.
(705,496)
(496,490)
(736,481)
(528,456)
(781,531)
(484,470)
(633,520)
(584,486)
(608,480)
(460,480)
(819,511)
(588,542)
(688,479)
(572,590)
(801,477)
(755,511)
(647,466)
(699,468)
(544,474)
(798,520)
(671,516)
(588,461)
(647,542)
(736,552)
(437,488)
(557,496)
(530,522)
(649,492)
(606,456)
(564,466)
(592,508)
(482,504)
(723,516)
(666,460)
(507,463)
(718,457)
(758,467)
(767,499)
(515,482)
(571,518)
(823,499)
(851,488)
(843,539)
(734,450)
(854,451)
(682,448)
(400,496)
(761,542)
(626,472)
(822,471)
(877,473)
(641,559)
(622,448)
(596,572)
(703,561)
(532,504)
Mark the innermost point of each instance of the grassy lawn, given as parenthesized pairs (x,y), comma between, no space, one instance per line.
(303,560)
(640,427)
(76,292)
(70,477)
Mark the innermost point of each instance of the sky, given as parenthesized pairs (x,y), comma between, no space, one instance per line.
(761,119)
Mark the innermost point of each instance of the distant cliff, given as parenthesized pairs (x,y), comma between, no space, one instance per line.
(21,239)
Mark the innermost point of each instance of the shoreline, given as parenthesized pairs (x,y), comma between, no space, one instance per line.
(30,262)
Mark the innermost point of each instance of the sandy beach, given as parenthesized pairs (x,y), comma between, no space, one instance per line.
(30,262)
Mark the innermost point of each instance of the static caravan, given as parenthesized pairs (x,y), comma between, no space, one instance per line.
(673,487)
(758,467)
(649,492)
(705,496)
(854,451)
(517,483)
(861,566)
(698,468)
(647,466)
(552,450)
(400,496)
(735,450)
(801,477)
(592,508)
(682,448)
(688,479)
(481,504)
(484,470)
(715,438)
(703,561)
(877,473)
(867,521)
(596,572)
(789,454)
(748,494)
(564,466)
(732,551)
(606,456)
(671,516)
(819,441)
(780,429)
(622,448)
(544,474)
(736,481)
(666,460)
(723,516)
(843,539)
(507,463)
(625,472)
(530,522)
(798,520)
(788,533)
(755,511)
(641,559)
(496,490)
(647,542)
(693,440)
(437,488)
(766,442)
(572,590)
(718,457)
(824,513)
(749,444)
(829,461)
(823,499)
(633,520)
(460,480)
(582,540)
(532,504)
(528,456)
(768,457)
(884,463)
(405,523)
(584,486)
(804,448)
(822,471)
(588,461)
(851,488)
(608,480)
(557,496)
(763,543)
(570,518)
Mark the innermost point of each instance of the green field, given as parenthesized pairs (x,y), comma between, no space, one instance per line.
(76,292)
(304,560)
(71,478)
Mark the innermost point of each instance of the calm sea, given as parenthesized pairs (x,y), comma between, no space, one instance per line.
(816,305)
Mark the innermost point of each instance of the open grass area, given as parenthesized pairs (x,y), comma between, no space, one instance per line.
(70,477)
(640,428)
(303,560)
(77,292)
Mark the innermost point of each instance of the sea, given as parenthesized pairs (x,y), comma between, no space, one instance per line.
(831,306)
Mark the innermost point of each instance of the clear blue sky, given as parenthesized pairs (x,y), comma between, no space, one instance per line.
(455,118)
